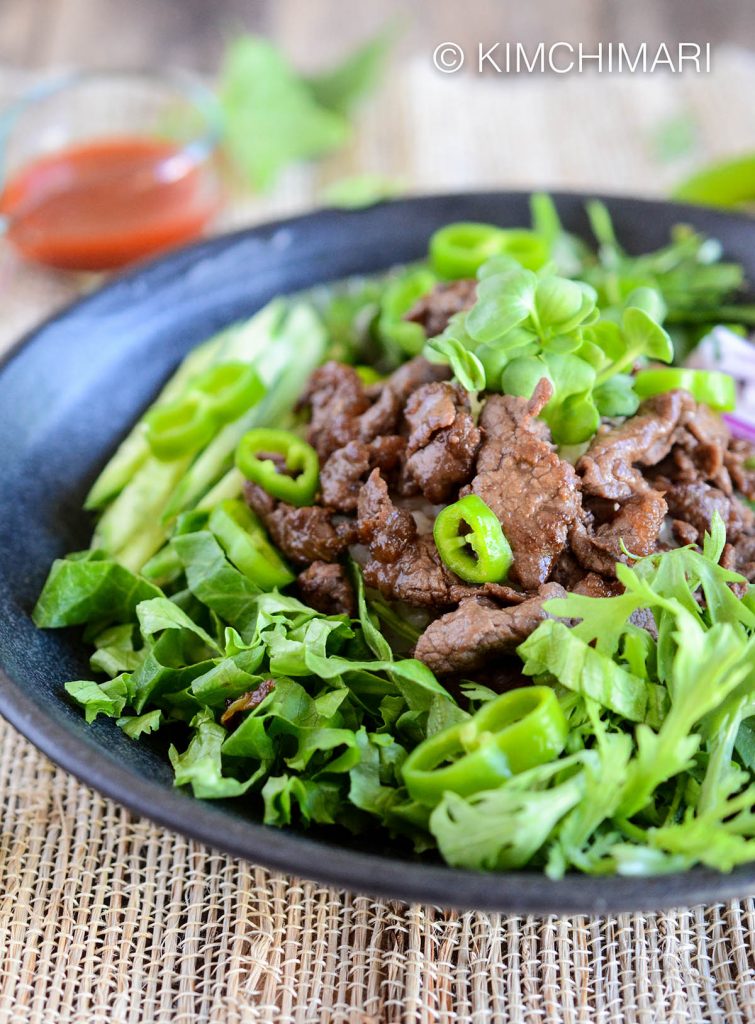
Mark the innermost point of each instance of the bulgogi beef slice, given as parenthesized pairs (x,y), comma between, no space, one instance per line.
(637,524)
(404,566)
(434,310)
(343,474)
(737,457)
(567,571)
(463,640)
(443,440)
(533,492)
(700,449)
(336,398)
(391,395)
(684,533)
(730,560)
(608,467)
(417,577)
(386,530)
(429,409)
(744,550)
(695,503)
(343,410)
(386,452)
(326,587)
(594,585)
(304,535)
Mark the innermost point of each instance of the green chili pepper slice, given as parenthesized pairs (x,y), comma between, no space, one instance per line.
(368,374)
(229,389)
(299,459)
(219,395)
(712,387)
(516,731)
(482,554)
(179,428)
(244,541)
(526,247)
(459,250)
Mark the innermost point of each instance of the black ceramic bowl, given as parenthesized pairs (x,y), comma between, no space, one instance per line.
(72,389)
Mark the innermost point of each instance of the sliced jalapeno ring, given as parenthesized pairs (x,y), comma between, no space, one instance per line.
(712,387)
(179,428)
(245,542)
(299,459)
(459,250)
(230,389)
(482,554)
(516,731)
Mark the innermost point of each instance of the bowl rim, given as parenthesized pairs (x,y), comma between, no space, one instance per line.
(332,863)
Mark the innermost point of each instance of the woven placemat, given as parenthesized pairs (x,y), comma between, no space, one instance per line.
(108,918)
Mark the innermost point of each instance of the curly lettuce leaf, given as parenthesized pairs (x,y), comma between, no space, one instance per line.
(90,588)
(553,649)
(503,828)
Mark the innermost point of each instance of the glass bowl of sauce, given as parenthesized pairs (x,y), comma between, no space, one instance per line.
(101,169)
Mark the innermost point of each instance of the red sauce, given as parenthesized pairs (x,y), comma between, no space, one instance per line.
(100,205)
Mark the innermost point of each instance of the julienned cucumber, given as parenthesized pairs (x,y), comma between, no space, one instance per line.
(140,494)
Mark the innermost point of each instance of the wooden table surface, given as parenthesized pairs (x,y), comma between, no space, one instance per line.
(142,33)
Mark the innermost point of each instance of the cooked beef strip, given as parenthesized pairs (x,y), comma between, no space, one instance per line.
(305,535)
(704,463)
(434,310)
(533,492)
(442,442)
(706,427)
(500,591)
(745,552)
(336,398)
(609,466)
(700,449)
(386,530)
(637,523)
(431,408)
(738,453)
(405,566)
(343,410)
(417,577)
(464,639)
(326,587)
(386,452)
(685,533)
(567,571)
(594,585)
(343,474)
(695,503)
(392,393)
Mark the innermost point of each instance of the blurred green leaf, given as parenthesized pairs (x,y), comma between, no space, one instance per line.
(726,183)
(674,137)
(341,87)
(273,116)
(360,191)
(270,116)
